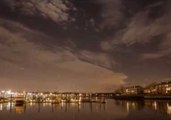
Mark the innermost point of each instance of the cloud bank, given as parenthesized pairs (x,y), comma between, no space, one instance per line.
(130,38)
(26,65)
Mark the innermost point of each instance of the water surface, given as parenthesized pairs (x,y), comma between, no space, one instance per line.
(112,110)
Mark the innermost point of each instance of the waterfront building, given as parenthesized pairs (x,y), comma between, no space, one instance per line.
(163,88)
(132,90)
(150,89)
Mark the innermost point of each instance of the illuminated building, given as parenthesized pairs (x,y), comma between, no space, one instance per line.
(133,90)
(163,88)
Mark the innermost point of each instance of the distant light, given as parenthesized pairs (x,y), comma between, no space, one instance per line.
(2,91)
(9,92)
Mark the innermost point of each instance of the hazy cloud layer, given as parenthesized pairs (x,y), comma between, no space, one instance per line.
(131,38)
(36,67)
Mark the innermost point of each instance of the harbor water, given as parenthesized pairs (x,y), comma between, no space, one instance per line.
(111,110)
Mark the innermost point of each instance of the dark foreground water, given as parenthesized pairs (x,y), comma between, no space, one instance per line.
(112,110)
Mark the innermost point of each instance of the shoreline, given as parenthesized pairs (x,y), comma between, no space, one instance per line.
(142,97)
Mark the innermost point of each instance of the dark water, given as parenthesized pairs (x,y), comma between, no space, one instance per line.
(112,110)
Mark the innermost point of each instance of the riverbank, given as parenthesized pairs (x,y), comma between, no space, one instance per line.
(141,97)
(129,97)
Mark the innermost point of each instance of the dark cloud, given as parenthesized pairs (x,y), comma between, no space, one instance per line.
(128,37)
(28,65)
(56,10)
(141,48)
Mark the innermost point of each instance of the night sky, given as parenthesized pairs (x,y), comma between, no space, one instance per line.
(84,45)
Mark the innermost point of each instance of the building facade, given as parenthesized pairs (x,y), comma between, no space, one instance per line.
(133,90)
(163,88)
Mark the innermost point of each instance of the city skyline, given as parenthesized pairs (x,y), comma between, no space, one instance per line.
(83,45)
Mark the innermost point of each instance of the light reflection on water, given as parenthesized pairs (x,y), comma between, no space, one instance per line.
(112,110)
